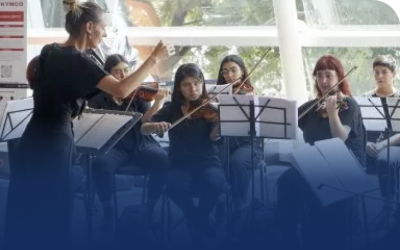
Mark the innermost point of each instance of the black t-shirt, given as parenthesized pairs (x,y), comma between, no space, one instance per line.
(133,141)
(189,141)
(65,77)
(316,128)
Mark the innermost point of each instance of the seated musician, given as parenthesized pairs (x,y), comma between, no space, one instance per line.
(134,148)
(384,72)
(193,155)
(294,196)
(233,68)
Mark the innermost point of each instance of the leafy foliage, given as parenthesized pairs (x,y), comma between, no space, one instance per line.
(267,78)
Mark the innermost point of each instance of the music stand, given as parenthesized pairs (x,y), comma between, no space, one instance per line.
(257,117)
(96,132)
(381,115)
(332,172)
(15,116)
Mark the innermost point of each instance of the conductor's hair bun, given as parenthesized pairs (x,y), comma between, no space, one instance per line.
(69,5)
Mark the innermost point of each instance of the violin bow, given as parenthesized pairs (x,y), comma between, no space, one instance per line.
(326,94)
(219,92)
(131,100)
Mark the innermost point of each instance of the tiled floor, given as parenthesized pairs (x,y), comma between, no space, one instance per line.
(181,237)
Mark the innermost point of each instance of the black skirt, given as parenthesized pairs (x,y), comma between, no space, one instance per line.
(39,203)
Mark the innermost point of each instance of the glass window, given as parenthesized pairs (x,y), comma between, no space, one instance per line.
(330,13)
(266,78)
(362,79)
(157,13)
(201,13)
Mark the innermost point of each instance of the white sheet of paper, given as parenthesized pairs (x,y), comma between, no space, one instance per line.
(214,89)
(20,113)
(275,115)
(346,167)
(374,116)
(233,121)
(82,125)
(316,171)
(100,133)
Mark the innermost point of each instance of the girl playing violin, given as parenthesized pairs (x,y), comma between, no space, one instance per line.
(134,148)
(231,69)
(340,117)
(193,155)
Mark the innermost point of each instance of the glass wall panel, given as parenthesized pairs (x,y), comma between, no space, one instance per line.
(157,13)
(327,14)
(362,79)
(266,77)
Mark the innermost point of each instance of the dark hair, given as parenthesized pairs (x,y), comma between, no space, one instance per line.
(80,14)
(239,61)
(187,70)
(114,60)
(329,62)
(387,61)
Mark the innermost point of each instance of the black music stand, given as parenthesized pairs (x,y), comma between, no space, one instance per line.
(333,173)
(15,117)
(382,115)
(257,117)
(96,132)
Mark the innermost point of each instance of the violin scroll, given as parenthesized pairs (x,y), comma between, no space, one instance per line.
(31,70)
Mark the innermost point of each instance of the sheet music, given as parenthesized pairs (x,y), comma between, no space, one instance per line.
(16,116)
(346,167)
(272,119)
(214,89)
(314,168)
(395,113)
(374,116)
(270,122)
(100,133)
(82,125)
(232,119)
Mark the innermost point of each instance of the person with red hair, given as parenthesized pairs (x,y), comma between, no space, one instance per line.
(336,116)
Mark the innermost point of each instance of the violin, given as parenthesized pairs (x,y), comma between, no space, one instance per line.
(31,70)
(243,88)
(325,95)
(146,92)
(208,111)
(341,104)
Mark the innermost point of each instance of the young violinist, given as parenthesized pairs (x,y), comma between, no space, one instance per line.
(38,212)
(233,68)
(339,116)
(134,148)
(385,69)
(193,155)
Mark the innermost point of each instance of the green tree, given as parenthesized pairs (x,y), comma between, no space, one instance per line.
(223,13)
(260,12)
